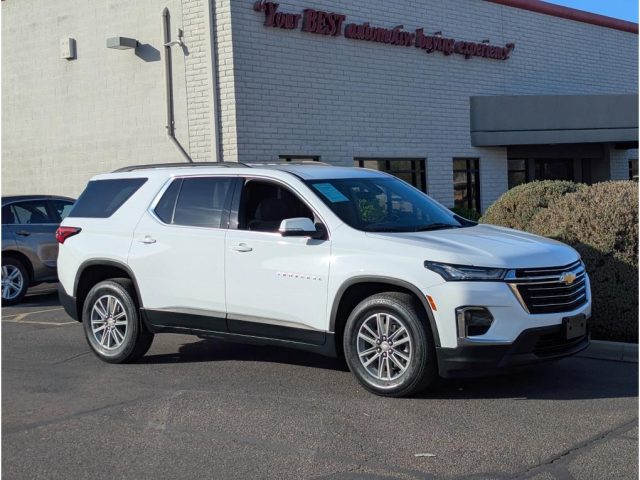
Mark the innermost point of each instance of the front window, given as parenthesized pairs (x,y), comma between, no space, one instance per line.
(383,204)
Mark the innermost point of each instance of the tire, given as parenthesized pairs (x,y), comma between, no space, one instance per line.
(409,365)
(108,304)
(15,281)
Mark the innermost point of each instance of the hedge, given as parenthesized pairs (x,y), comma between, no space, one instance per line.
(517,207)
(601,223)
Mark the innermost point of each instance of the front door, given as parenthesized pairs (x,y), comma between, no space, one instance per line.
(177,254)
(275,286)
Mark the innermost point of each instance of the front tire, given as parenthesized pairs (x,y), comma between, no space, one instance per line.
(388,345)
(15,281)
(112,324)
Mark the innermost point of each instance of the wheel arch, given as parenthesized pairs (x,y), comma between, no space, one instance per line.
(96,270)
(356,289)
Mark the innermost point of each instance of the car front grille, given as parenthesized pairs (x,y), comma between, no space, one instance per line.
(550,290)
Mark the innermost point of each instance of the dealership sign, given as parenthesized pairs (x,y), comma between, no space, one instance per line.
(334,25)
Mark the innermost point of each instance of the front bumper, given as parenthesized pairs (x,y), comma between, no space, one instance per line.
(68,303)
(532,346)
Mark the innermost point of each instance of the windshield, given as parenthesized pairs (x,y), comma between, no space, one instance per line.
(381,204)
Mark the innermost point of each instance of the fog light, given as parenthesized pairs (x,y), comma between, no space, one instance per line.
(473,321)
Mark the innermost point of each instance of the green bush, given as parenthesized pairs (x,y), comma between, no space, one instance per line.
(517,207)
(601,223)
(467,213)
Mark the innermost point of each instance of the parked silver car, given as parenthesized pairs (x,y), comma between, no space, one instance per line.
(29,246)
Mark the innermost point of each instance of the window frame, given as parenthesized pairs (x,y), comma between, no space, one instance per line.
(418,168)
(224,219)
(468,171)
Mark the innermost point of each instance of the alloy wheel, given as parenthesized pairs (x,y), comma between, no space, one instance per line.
(384,346)
(109,322)
(12,282)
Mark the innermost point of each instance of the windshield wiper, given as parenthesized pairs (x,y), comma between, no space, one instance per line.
(434,226)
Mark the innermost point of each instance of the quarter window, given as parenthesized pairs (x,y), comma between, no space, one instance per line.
(466,183)
(411,170)
(60,209)
(202,202)
(102,198)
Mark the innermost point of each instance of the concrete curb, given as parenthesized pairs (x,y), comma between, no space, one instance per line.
(617,351)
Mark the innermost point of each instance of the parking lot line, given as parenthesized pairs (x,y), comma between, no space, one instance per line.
(57,324)
(22,315)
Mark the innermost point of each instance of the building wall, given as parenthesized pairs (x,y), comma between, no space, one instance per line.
(300,93)
(66,120)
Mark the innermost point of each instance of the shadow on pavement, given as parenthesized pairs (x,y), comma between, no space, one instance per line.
(569,379)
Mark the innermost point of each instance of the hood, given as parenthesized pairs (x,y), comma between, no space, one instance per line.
(486,246)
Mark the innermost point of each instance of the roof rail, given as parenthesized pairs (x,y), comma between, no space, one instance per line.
(294,162)
(180,165)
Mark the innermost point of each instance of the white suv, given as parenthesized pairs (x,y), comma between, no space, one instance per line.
(338,261)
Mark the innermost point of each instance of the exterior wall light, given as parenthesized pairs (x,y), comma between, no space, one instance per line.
(122,43)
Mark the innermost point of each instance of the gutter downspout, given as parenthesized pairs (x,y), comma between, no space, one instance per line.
(168,77)
(213,76)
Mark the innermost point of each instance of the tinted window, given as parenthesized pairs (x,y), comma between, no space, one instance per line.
(202,201)
(60,209)
(29,212)
(164,209)
(383,205)
(102,198)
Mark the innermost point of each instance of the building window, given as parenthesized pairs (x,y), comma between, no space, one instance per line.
(466,183)
(633,169)
(411,170)
(554,169)
(300,158)
(517,172)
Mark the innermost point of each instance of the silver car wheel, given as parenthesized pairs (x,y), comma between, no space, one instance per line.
(12,282)
(384,346)
(109,322)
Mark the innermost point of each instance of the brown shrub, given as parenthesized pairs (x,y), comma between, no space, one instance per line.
(601,223)
(517,207)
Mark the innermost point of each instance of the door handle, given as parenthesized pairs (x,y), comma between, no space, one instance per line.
(147,239)
(242,248)
(23,233)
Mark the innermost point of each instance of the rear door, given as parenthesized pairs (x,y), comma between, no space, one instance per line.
(34,225)
(177,253)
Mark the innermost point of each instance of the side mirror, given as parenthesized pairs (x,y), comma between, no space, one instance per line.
(298,227)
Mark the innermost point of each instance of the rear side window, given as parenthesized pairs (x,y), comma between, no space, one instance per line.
(31,212)
(102,198)
(202,201)
(60,209)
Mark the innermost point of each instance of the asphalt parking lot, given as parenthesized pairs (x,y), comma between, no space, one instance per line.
(205,409)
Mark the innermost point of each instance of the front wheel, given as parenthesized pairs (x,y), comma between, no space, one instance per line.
(388,345)
(111,322)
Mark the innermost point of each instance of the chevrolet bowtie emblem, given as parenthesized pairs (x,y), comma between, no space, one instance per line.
(568,278)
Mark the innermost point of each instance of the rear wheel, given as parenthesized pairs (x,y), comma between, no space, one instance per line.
(388,345)
(15,281)
(112,324)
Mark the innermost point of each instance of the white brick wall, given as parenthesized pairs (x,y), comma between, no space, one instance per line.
(300,93)
(64,121)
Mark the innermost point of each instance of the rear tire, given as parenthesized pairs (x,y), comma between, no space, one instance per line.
(15,281)
(112,324)
(389,347)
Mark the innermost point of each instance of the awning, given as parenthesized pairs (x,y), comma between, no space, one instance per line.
(549,119)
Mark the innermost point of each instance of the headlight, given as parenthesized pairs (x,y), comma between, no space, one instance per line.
(453,273)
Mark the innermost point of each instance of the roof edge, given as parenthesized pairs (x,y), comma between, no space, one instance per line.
(568,13)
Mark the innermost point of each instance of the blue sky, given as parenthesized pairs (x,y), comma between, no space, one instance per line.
(624,9)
